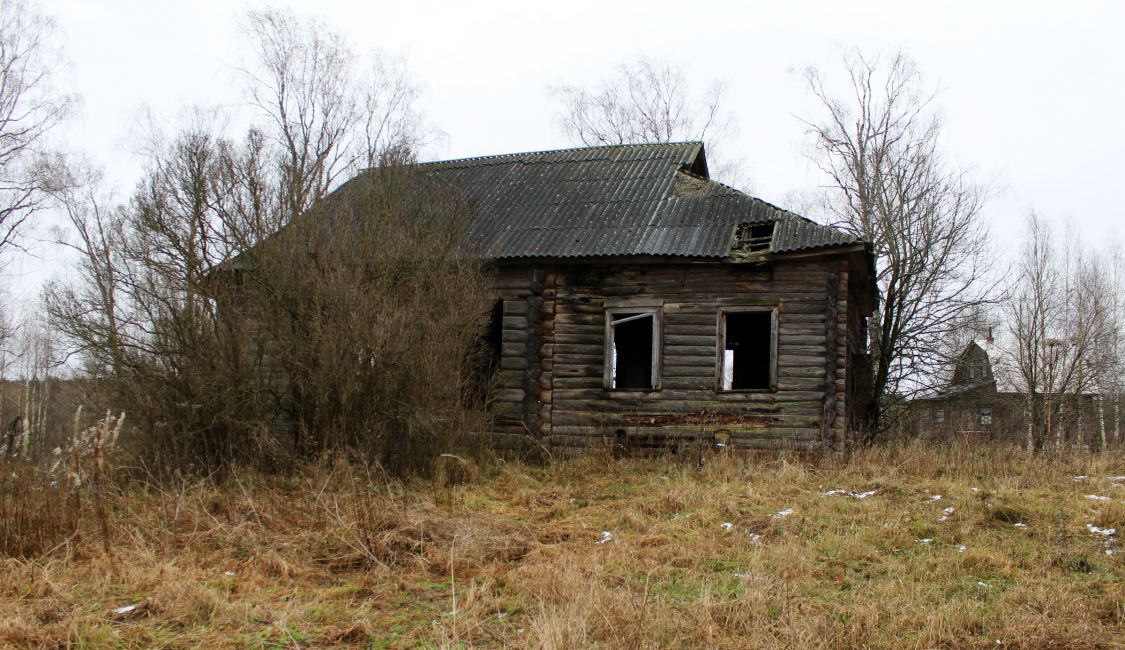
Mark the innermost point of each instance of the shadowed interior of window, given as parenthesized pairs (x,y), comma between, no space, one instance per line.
(632,350)
(747,350)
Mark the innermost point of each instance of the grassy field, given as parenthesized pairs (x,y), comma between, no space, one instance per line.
(921,547)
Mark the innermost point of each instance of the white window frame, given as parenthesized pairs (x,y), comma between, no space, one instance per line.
(611,319)
(721,369)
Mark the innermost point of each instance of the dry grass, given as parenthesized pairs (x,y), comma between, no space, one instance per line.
(341,558)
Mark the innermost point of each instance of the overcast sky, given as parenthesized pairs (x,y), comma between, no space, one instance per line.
(1032,92)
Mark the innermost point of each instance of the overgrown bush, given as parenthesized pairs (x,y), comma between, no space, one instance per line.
(232,339)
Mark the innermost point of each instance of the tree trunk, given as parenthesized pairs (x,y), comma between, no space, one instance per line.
(1101,421)
(1117,417)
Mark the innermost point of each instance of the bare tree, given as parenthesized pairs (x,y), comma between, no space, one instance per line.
(1063,320)
(888,183)
(649,100)
(31,107)
(327,114)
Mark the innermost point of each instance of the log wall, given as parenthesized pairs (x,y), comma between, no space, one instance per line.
(550,382)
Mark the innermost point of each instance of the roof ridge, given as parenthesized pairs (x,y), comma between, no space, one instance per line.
(503,156)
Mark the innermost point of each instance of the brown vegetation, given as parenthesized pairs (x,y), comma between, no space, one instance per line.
(342,557)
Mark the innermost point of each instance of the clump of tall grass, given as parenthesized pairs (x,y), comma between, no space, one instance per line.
(40,507)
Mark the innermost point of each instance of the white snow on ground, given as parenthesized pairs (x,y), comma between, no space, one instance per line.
(936,497)
(124,610)
(926,542)
(781,514)
(755,538)
(727,526)
(961,548)
(849,493)
(1101,531)
(1078,478)
(983,585)
(1020,524)
(606,537)
(946,514)
(1096,497)
(1116,479)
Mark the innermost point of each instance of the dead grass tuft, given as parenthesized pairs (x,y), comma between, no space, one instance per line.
(341,556)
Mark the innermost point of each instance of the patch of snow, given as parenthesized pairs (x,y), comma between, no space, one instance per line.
(1096,497)
(976,490)
(727,526)
(781,514)
(755,538)
(1101,531)
(229,574)
(936,497)
(606,537)
(1110,551)
(983,585)
(124,610)
(960,548)
(1020,524)
(946,514)
(849,493)
(1116,479)
(926,541)
(1080,477)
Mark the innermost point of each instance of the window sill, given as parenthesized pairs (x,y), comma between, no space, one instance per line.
(629,393)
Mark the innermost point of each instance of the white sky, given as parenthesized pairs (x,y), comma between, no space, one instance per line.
(1032,91)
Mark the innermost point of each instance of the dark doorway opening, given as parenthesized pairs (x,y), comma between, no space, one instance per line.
(748,351)
(487,358)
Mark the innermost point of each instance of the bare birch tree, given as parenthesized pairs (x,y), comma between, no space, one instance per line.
(888,183)
(328,111)
(649,101)
(1065,329)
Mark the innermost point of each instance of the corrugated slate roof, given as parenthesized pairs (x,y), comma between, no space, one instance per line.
(624,200)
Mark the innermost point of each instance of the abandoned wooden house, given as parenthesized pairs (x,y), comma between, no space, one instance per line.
(643,304)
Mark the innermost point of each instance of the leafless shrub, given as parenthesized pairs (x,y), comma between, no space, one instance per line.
(247,307)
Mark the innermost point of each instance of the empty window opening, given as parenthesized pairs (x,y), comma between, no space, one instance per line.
(632,350)
(747,350)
